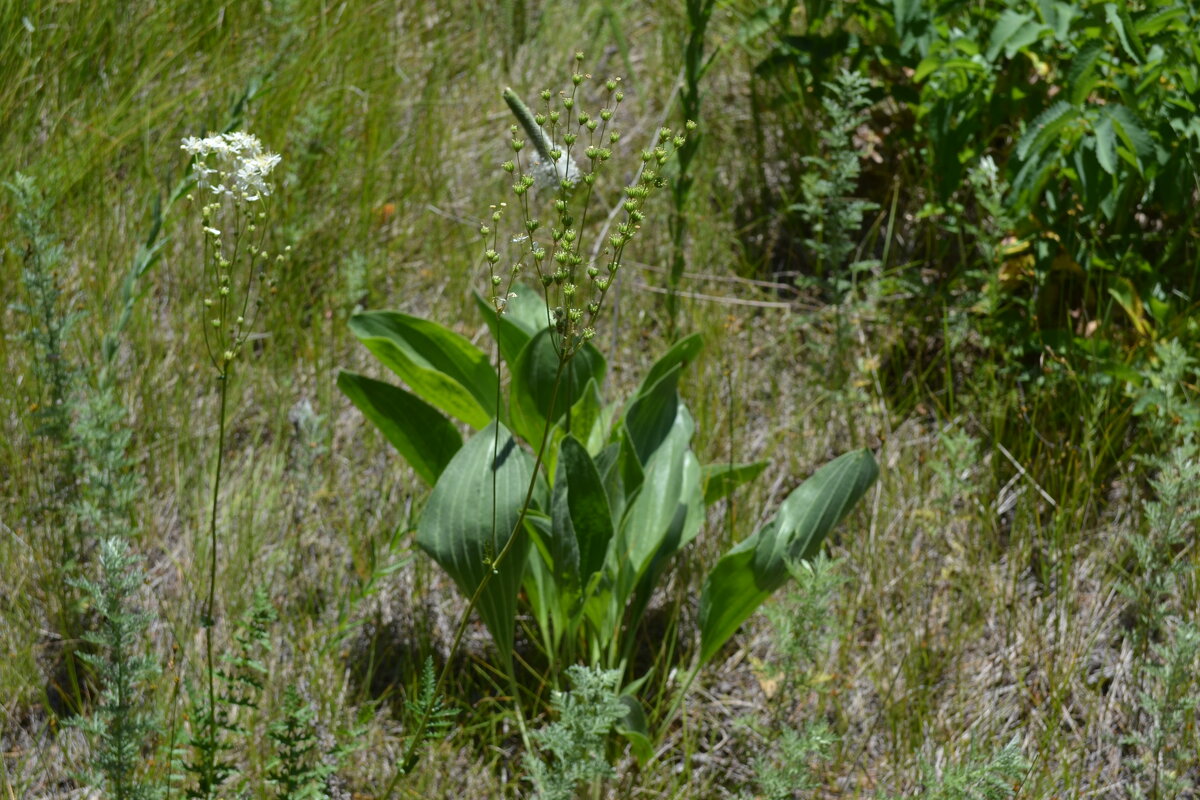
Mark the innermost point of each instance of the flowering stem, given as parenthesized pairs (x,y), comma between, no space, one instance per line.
(209,619)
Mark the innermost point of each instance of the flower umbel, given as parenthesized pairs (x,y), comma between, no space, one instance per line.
(232,164)
(235,167)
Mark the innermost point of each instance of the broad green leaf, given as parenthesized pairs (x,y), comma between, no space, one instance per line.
(440,366)
(936,63)
(1153,22)
(681,354)
(533,384)
(1013,31)
(650,416)
(663,511)
(721,479)
(621,472)
(1106,145)
(750,572)
(1126,295)
(589,422)
(634,728)
(523,316)
(471,513)
(538,582)
(1059,18)
(814,507)
(425,438)
(583,522)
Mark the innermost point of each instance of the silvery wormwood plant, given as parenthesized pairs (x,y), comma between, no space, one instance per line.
(576,503)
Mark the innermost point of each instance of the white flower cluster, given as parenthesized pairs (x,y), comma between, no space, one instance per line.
(241,165)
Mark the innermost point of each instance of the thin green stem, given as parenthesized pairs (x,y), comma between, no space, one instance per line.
(209,620)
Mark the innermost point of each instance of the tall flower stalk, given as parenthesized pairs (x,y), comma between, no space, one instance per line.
(231,171)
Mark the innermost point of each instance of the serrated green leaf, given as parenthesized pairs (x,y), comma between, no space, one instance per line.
(1084,74)
(470,515)
(425,438)
(1135,138)
(1060,20)
(1152,22)
(440,366)
(750,572)
(1044,128)
(1118,20)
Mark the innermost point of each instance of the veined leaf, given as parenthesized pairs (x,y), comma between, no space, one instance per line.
(1059,19)
(649,418)
(1151,22)
(1118,20)
(621,472)
(440,366)
(582,520)
(470,515)
(668,505)
(1045,128)
(1138,145)
(721,479)
(1106,145)
(533,378)
(1083,75)
(681,354)
(589,420)
(425,438)
(1013,31)
(524,315)
(750,572)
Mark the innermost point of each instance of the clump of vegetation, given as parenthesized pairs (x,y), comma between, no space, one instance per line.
(573,746)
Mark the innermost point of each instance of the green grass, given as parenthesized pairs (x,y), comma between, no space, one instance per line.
(975,609)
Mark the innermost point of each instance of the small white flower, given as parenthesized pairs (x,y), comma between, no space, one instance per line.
(987,166)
